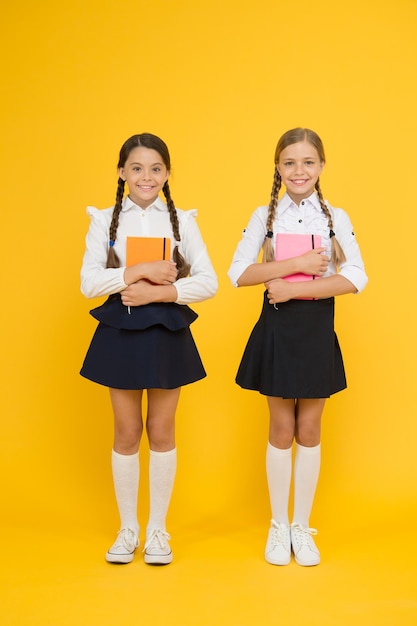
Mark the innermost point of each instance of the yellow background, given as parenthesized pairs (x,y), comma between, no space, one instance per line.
(219,82)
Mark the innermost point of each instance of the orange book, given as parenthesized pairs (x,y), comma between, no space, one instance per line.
(146,249)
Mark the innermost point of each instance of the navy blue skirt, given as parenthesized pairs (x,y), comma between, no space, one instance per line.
(293,351)
(145,347)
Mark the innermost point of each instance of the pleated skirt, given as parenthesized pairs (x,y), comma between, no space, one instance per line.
(293,351)
(146,347)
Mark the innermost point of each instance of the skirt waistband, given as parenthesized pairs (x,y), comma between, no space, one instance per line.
(169,314)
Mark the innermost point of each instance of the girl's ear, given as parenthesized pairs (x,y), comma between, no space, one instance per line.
(122,174)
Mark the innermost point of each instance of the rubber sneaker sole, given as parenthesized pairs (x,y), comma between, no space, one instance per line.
(119,558)
(158,559)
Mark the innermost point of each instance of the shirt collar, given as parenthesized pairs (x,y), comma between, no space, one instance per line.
(129,204)
(285,203)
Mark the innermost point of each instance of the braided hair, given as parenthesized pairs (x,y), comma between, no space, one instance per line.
(290,137)
(152,142)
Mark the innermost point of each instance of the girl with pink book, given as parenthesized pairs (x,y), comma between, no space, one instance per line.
(293,355)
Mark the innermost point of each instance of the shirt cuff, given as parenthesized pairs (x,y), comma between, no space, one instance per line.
(356,276)
(236,271)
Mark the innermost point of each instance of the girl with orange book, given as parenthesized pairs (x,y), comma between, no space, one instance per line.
(143,340)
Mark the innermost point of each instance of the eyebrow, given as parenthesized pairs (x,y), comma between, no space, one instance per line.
(137,163)
(310,158)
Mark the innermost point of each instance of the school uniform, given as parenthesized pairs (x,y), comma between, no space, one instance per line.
(293,351)
(149,346)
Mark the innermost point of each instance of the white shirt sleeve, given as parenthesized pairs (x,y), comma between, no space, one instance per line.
(96,279)
(353,269)
(202,282)
(249,246)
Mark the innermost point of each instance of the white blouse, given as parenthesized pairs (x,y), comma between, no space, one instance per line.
(307,218)
(97,280)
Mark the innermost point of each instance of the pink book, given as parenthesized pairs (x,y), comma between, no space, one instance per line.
(288,245)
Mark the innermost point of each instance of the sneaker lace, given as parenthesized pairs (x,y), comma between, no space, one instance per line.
(278,533)
(304,535)
(127,539)
(158,538)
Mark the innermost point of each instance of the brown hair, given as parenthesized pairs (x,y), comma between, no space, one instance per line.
(152,142)
(290,137)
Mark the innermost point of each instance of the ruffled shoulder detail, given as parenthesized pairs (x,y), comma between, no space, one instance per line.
(100,215)
(92,211)
(184,216)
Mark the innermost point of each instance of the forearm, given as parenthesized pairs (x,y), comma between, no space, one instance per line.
(134,273)
(162,293)
(259,273)
(328,287)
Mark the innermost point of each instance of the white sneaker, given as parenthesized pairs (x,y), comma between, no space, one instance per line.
(157,549)
(303,546)
(278,545)
(123,549)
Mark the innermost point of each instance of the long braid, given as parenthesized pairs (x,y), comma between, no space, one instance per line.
(338,256)
(183,267)
(112,258)
(268,250)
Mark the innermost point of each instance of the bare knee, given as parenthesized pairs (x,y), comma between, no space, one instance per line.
(161,436)
(308,435)
(127,410)
(308,421)
(127,438)
(281,422)
(281,436)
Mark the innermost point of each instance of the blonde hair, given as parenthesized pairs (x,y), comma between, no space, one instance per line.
(290,137)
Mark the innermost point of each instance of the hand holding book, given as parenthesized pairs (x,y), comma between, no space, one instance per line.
(153,254)
(159,272)
(313,263)
(144,292)
(308,250)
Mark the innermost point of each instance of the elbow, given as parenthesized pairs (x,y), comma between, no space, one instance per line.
(360,287)
(242,281)
(87,290)
(212,287)
(357,277)
(210,284)
(236,281)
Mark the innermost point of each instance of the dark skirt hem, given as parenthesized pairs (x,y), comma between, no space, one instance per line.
(297,395)
(158,352)
(293,351)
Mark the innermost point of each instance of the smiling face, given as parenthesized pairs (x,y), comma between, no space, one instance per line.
(145,173)
(300,166)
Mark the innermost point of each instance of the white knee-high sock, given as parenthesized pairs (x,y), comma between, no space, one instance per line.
(162,469)
(278,472)
(306,475)
(126,481)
